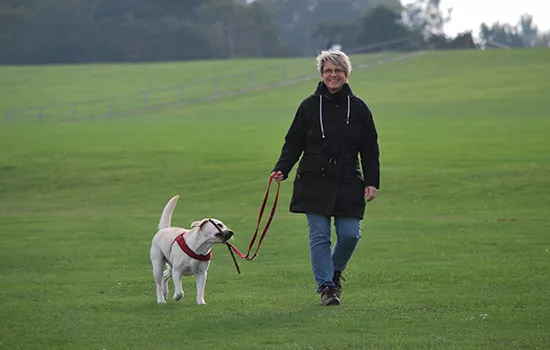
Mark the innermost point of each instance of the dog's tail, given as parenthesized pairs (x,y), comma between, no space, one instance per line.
(166,218)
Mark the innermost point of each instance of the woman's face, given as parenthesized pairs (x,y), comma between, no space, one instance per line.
(333,76)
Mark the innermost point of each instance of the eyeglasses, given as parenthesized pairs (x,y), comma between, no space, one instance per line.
(335,71)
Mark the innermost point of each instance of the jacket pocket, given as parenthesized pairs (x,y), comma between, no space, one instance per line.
(353,193)
(309,168)
(353,175)
(309,189)
(310,184)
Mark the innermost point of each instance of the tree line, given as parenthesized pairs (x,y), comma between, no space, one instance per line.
(78,31)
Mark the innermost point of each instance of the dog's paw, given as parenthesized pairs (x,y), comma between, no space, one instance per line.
(161,301)
(201,302)
(177,297)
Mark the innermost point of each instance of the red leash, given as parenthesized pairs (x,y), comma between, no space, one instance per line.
(232,248)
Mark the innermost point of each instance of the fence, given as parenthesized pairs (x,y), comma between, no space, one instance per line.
(167,96)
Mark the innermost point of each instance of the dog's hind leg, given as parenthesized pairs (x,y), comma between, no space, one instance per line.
(158,267)
(178,291)
(165,277)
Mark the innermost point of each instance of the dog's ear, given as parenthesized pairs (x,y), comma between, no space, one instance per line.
(199,223)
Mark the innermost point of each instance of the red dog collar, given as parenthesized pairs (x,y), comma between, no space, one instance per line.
(183,245)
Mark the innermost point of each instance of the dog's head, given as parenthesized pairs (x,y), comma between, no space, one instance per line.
(213,229)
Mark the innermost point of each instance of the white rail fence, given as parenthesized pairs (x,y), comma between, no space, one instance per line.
(144,101)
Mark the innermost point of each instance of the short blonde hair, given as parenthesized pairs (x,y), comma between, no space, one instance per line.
(337,57)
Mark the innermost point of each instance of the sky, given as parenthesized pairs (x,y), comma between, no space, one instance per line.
(469,14)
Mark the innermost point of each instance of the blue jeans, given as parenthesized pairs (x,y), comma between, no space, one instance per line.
(323,261)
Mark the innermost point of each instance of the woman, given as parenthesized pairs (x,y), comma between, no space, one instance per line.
(331,129)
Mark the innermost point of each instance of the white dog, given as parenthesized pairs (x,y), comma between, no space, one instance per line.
(184,252)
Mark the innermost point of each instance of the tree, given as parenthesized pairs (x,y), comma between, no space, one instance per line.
(239,30)
(425,18)
(442,42)
(14,20)
(528,30)
(344,34)
(56,31)
(463,41)
(524,34)
(498,34)
(544,39)
(380,25)
(306,25)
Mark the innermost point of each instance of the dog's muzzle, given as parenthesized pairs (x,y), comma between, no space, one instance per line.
(225,235)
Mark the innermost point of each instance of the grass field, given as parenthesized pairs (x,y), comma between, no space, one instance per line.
(455,249)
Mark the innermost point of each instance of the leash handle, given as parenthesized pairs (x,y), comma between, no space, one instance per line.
(271,214)
(268,223)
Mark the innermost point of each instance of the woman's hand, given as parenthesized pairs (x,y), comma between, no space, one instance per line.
(278,176)
(370,193)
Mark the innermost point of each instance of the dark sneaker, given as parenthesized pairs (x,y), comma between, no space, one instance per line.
(337,280)
(328,296)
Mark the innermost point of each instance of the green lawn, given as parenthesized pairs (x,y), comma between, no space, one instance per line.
(455,249)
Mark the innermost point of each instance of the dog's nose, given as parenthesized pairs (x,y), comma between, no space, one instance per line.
(229,233)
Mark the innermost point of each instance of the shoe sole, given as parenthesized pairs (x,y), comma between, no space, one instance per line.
(332,302)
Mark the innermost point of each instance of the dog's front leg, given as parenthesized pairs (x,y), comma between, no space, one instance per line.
(201,282)
(178,291)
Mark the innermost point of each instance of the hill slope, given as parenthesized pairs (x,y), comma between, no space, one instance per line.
(454,253)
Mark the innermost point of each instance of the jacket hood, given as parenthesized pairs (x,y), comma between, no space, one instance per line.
(323,90)
(344,93)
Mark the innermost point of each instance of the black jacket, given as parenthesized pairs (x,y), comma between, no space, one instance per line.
(331,130)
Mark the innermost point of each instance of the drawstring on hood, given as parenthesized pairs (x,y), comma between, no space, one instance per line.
(347,116)
(321,114)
